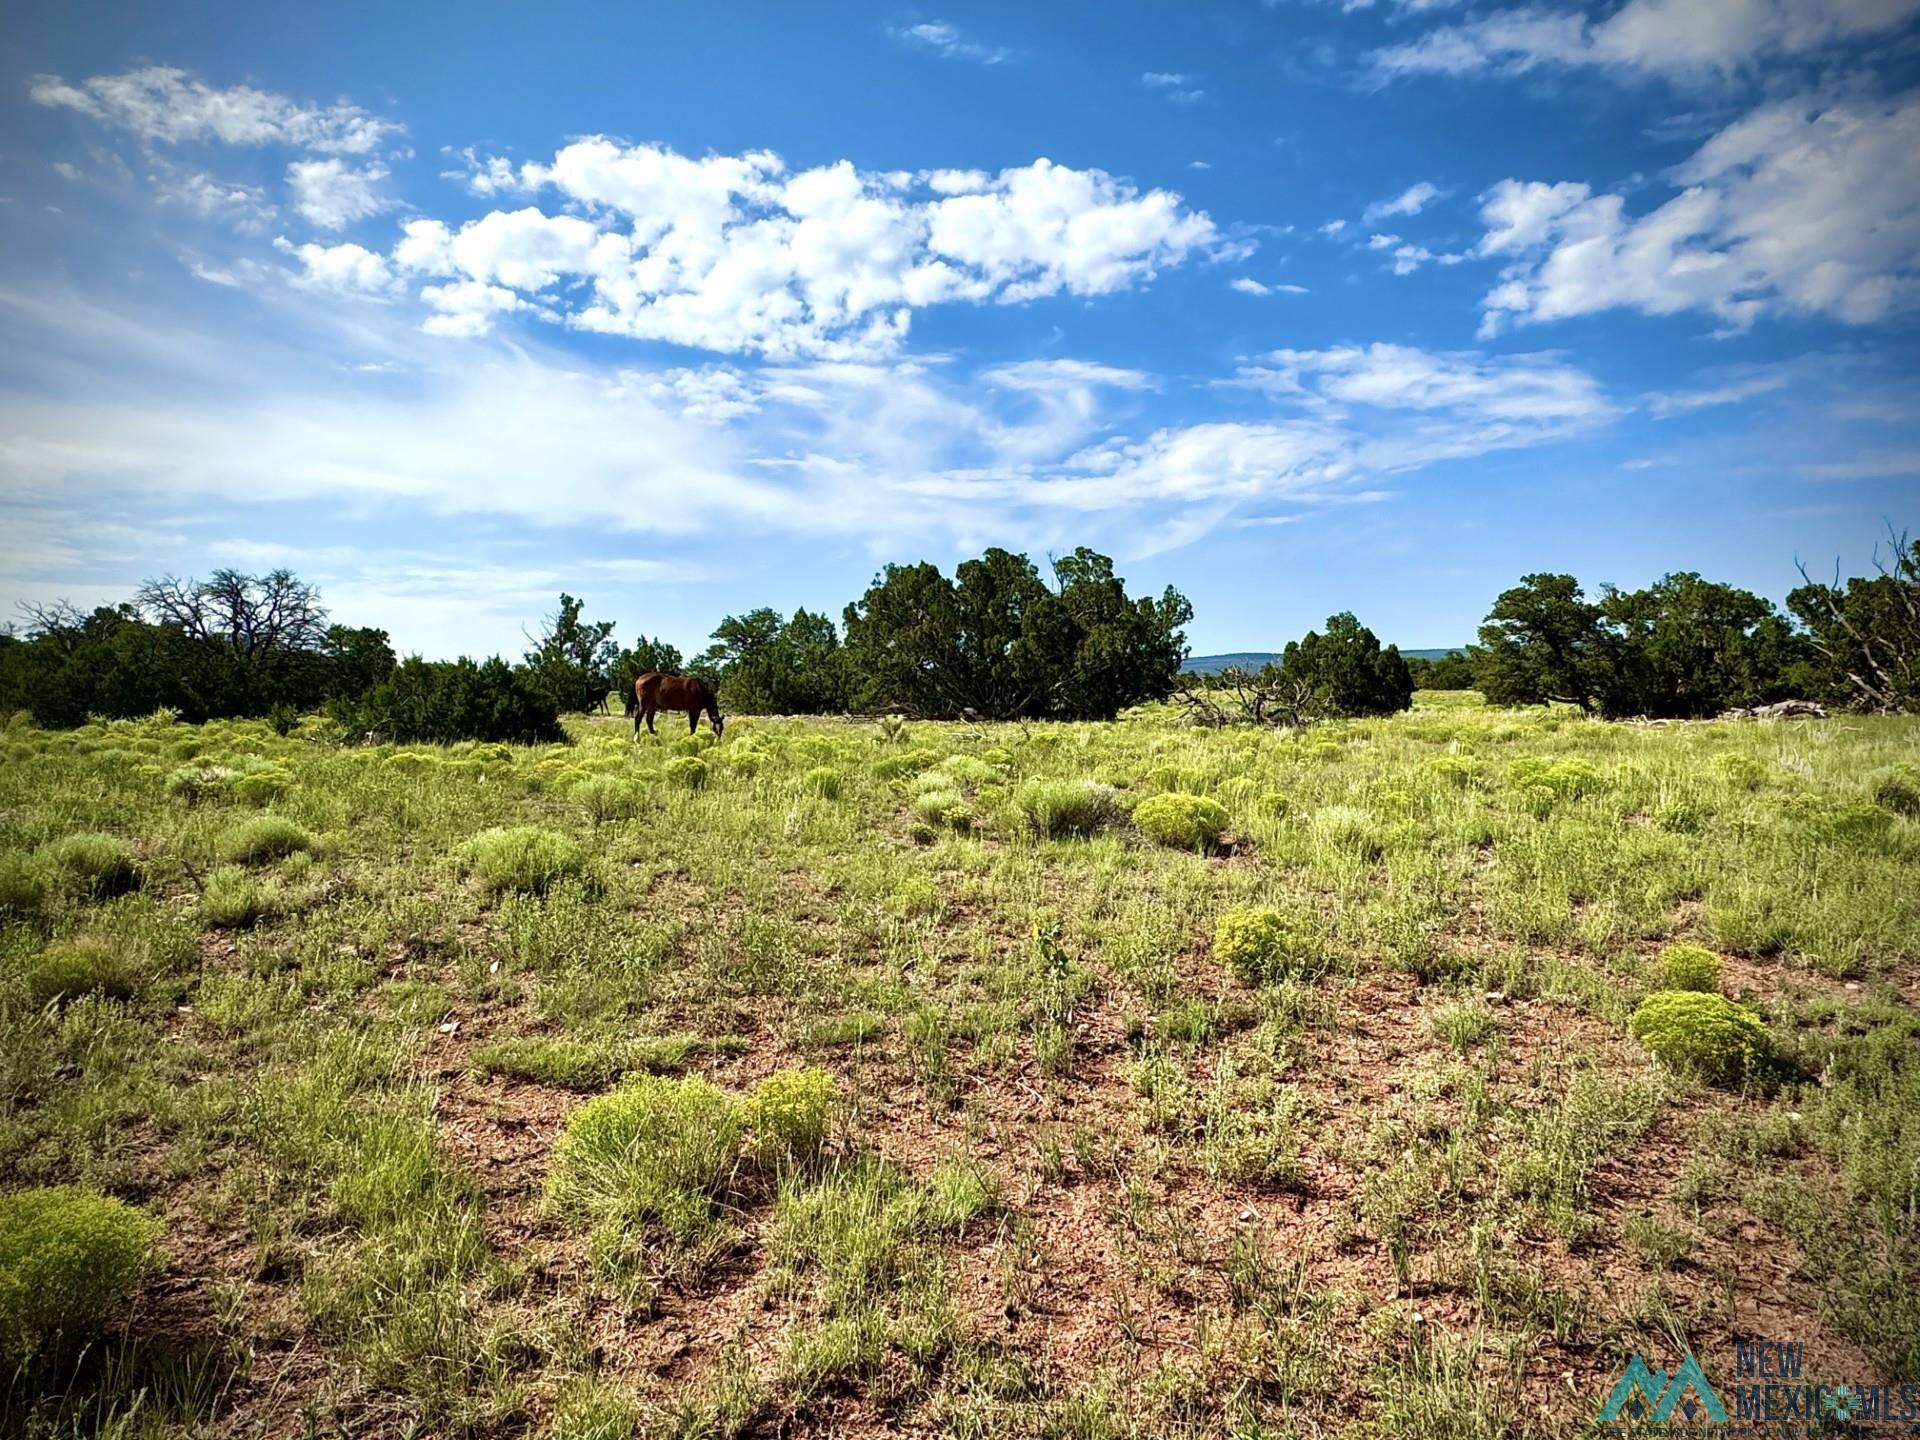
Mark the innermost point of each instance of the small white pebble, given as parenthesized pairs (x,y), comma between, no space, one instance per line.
(449,1027)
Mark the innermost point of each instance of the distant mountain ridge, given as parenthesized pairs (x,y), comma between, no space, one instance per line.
(1254,659)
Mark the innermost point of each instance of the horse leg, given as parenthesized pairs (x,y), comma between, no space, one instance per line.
(650,729)
(693,721)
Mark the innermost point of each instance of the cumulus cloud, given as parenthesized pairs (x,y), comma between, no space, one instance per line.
(167,106)
(1794,208)
(734,253)
(333,194)
(948,42)
(1666,37)
(348,269)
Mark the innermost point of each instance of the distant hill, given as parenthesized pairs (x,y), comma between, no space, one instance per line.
(1254,659)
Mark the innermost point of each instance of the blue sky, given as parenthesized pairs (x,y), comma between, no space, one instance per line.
(690,309)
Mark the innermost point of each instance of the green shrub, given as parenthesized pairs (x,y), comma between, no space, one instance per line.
(1350,829)
(689,772)
(85,965)
(1188,822)
(1273,803)
(1743,772)
(608,797)
(566,1064)
(1690,967)
(69,1258)
(1452,769)
(438,702)
(942,809)
(790,1114)
(1705,1035)
(527,858)
(822,780)
(1264,946)
(263,785)
(411,762)
(1059,809)
(233,899)
(656,1152)
(1566,779)
(22,890)
(99,865)
(1898,789)
(261,838)
(195,783)
(907,762)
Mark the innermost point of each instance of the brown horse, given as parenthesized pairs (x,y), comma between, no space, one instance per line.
(654,692)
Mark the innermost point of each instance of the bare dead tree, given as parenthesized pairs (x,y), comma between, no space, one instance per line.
(277,613)
(1241,697)
(1882,657)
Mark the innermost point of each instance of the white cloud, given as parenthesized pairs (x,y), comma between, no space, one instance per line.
(1872,465)
(341,269)
(1667,37)
(168,106)
(1248,286)
(466,308)
(1180,89)
(243,206)
(1734,392)
(333,194)
(713,393)
(733,253)
(1410,201)
(947,41)
(1530,389)
(1793,208)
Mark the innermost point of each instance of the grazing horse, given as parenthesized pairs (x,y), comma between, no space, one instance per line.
(593,696)
(654,692)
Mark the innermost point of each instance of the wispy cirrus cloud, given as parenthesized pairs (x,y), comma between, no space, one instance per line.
(947,41)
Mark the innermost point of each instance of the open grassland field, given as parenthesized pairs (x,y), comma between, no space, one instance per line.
(857,1077)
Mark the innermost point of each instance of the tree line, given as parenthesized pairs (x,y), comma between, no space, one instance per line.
(999,639)
(1686,647)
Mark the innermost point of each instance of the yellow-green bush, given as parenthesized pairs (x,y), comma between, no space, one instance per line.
(98,865)
(791,1114)
(22,889)
(527,858)
(822,780)
(195,783)
(907,762)
(1897,788)
(233,899)
(1062,808)
(608,797)
(689,772)
(1188,822)
(261,838)
(1704,1035)
(657,1151)
(69,1258)
(1262,946)
(1743,772)
(1689,967)
(84,965)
